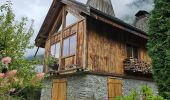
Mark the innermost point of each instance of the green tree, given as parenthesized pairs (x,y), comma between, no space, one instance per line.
(14,40)
(159,45)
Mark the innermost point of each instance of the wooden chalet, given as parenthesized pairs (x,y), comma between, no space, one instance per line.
(88,41)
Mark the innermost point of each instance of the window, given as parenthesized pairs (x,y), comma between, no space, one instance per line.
(59,26)
(132,51)
(73,45)
(70,19)
(66,47)
(55,50)
(69,46)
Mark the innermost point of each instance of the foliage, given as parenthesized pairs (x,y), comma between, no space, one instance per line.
(159,45)
(14,40)
(145,94)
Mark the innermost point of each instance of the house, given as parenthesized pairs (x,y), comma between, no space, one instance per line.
(99,56)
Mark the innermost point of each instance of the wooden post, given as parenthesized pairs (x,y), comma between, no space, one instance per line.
(85,55)
(61,38)
(36,52)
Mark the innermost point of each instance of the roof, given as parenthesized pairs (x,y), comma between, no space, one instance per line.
(85,10)
(141,13)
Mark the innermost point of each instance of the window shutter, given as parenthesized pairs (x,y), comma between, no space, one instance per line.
(114,88)
(59,89)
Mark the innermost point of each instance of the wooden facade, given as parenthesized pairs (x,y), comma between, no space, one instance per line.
(100,47)
(107,47)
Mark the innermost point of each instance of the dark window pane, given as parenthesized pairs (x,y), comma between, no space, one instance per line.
(57,51)
(66,47)
(135,52)
(59,26)
(73,45)
(129,51)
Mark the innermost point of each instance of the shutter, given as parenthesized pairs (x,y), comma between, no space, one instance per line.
(114,88)
(59,89)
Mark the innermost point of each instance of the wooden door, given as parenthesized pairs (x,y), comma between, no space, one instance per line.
(59,89)
(114,88)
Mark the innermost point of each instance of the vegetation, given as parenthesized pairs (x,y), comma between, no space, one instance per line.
(159,45)
(18,75)
(145,93)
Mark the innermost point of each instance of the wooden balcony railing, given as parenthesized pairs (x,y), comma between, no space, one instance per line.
(137,66)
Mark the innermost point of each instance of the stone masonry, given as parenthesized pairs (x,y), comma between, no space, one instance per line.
(87,87)
(131,84)
(93,87)
(46,90)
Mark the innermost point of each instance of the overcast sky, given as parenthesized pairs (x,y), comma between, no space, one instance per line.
(37,10)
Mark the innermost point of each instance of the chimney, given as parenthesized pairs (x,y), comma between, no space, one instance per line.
(141,20)
(103,5)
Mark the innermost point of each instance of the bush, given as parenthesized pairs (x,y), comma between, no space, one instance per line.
(145,93)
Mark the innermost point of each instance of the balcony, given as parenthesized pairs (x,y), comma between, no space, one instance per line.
(133,65)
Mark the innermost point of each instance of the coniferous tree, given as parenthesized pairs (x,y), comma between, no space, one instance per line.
(159,45)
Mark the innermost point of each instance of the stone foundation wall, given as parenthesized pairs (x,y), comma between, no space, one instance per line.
(87,87)
(93,87)
(46,90)
(131,84)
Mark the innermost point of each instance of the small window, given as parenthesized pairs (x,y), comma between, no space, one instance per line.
(135,52)
(70,19)
(69,46)
(66,47)
(132,51)
(55,50)
(59,26)
(73,45)
(129,51)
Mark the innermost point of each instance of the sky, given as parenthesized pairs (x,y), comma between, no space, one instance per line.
(37,10)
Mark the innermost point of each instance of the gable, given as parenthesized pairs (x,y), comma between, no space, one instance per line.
(53,20)
(81,11)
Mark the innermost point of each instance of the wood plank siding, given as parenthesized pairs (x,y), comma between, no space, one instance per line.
(107,47)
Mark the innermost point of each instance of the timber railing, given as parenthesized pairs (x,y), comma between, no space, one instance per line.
(137,66)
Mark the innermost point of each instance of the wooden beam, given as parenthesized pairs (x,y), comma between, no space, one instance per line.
(119,75)
(61,38)
(56,23)
(36,52)
(118,26)
(85,55)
